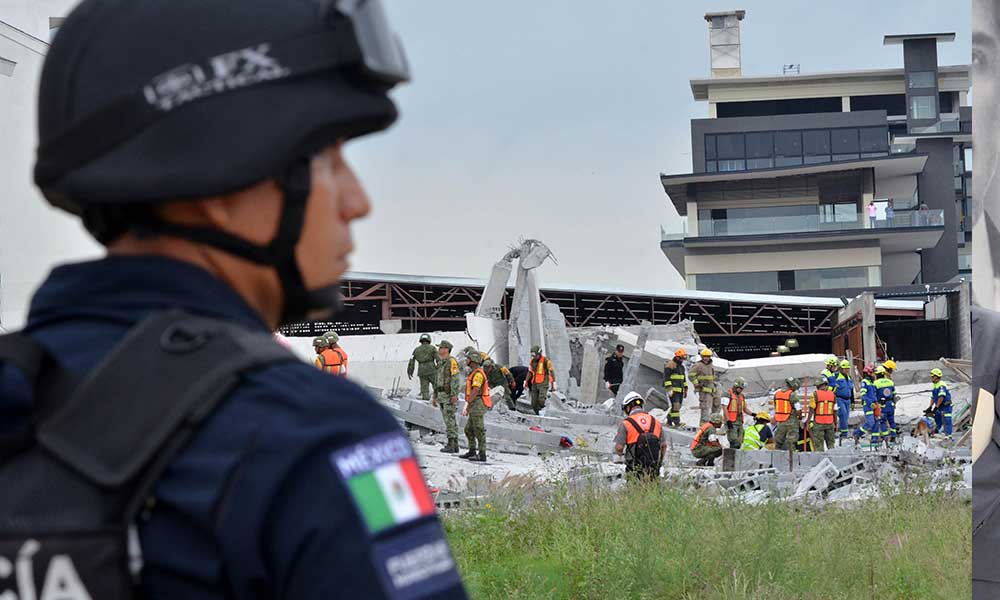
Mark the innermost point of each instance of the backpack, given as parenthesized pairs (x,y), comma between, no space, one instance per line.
(75,477)
(646,450)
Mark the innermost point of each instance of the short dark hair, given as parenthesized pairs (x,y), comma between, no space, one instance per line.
(620,348)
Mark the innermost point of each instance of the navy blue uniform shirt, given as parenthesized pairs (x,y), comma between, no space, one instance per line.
(255,506)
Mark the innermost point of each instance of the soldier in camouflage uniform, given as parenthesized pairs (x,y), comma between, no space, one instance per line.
(447,385)
(541,378)
(499,378)
(477,402)
(787,413)
(424,355)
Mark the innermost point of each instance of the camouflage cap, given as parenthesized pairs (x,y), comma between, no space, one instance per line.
(715,419)
(320,342)
(446,344)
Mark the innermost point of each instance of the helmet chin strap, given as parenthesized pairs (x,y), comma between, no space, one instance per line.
(299,303)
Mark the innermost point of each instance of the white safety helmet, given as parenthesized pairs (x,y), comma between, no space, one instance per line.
(630,399)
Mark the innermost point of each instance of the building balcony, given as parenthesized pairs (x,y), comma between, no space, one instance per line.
(816,223)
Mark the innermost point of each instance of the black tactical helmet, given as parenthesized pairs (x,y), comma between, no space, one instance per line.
(144,101)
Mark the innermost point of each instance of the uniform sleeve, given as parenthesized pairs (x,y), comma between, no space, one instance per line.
(478,380)
(620,435)
(328,527)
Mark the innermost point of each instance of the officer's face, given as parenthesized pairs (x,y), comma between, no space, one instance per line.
(336,199)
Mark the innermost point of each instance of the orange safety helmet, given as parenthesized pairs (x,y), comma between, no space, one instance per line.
(681,353)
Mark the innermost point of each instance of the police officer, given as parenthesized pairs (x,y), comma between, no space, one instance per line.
(202,145)
(940,403)
(447,386)
(424,355)
(675,382)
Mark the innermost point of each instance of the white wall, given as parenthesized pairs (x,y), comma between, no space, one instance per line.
(377,360)
(33,237)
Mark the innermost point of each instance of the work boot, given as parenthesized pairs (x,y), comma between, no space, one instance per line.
(481,457)
(472,452)
(451,447)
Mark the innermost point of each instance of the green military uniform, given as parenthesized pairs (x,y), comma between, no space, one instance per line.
(540,365)
(426,357)
(702,377)
(475,427)
(499,378)
(786,435)
(708,448)
(674,380)
(447,386)
(734,429)
(822,434)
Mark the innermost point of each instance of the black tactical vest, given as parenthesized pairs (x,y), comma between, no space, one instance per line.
(986,470)
(73,480)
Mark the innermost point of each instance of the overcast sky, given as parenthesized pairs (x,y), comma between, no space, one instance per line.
(554,119)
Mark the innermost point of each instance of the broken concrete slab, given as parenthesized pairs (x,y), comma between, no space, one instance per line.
(818,478)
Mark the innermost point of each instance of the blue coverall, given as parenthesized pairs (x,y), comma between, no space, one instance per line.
(885,391)
(941,400)
(844,390)
(869,427)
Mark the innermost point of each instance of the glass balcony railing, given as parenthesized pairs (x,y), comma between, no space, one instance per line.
(799,224)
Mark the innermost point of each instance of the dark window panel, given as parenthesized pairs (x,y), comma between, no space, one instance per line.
(794,106)
(760,163)
(760,144)
(816,141)
(945,102)
(730,145)
(921,79)
(710,166)
(786,280)
(787,161)
(840,157)
(843,141)
(710,147)
(787,143)
(874,139)
(892,104)
(817,159)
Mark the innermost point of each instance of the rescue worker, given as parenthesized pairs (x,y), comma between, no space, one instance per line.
(843,389)
(735,406)
(425,355)
(543,378)
(756,436)
(640,439)
(675,381)
(885,392)
(614,369)
(447,386)
(319,345)
(830,372)
(706,446)
(940,402)
(787,414)
(868,404)
(214,197)
(499,379)
(477,403)
(822,416)
(702,375)
(519,375)
(334,357)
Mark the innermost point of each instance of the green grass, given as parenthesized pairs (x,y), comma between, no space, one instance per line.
(658,542)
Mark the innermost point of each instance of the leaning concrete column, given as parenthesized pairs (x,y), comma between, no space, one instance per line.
(634,363)
(590,375)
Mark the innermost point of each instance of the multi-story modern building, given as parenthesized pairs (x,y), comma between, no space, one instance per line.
(786,169)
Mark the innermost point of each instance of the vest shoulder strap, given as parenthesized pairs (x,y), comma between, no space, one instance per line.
(149,395)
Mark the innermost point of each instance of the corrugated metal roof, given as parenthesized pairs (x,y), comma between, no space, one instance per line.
(673,293)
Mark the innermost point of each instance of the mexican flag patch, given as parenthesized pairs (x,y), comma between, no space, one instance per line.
(385,481)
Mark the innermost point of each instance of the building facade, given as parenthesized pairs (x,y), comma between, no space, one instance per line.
(827,182)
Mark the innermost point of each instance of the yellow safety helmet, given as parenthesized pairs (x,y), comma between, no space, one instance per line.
(763,416)
(937,373)
(880,370)
(705,352)
(845,364)
(890,364)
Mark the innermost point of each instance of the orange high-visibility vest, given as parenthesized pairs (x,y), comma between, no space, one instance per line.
(782,405)
(701,432)
(541,367)
(825,403)
(486,387)
(646,422)
(334,361)
(734,412)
